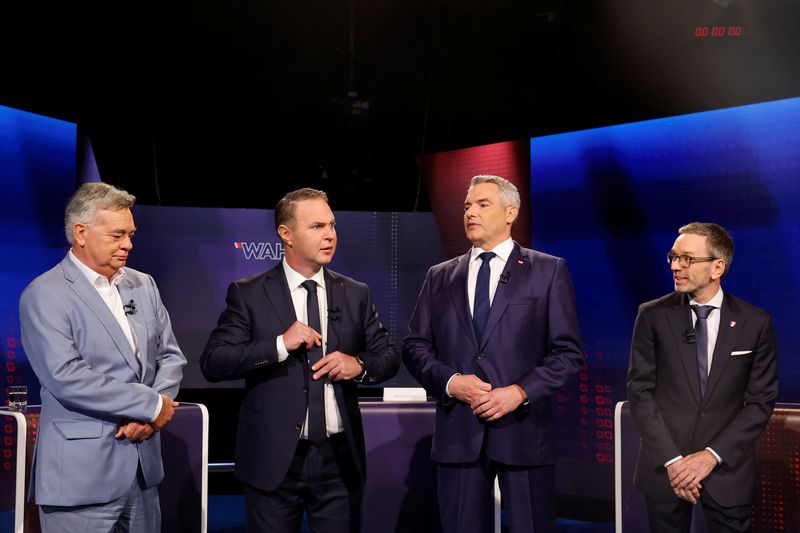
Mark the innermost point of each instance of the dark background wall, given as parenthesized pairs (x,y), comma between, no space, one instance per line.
(195,103)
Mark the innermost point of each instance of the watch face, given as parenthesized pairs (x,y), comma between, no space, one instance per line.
(361,375)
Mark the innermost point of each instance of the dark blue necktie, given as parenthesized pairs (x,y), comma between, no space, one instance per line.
(480,307)
(701,342)
(316,388)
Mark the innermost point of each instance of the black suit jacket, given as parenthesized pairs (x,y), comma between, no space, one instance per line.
(273,410)
(664,395)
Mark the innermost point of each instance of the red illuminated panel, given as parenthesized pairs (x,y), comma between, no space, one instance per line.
(447,175)
(8,427)
(778,492)
(591,403)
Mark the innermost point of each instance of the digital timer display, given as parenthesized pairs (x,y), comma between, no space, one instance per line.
(718,32)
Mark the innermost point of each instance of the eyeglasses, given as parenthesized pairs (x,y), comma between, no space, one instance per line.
(685,261)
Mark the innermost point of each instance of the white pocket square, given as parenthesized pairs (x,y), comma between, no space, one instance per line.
(743,352)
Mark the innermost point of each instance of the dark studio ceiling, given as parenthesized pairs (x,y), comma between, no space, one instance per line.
(202,103)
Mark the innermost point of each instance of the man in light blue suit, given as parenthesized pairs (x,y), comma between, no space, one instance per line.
(101,343)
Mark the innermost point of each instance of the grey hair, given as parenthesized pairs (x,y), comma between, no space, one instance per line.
(509,195)
(91,198)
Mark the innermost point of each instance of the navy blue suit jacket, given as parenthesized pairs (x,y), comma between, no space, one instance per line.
(273,410)
(532,339)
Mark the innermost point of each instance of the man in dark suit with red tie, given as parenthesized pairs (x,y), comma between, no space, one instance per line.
(702,383)
(300,442)
(493,336)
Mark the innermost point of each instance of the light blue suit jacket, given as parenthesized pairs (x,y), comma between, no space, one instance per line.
(91,381)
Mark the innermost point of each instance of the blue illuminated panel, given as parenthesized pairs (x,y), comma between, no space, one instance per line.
(611,200)
(37,175)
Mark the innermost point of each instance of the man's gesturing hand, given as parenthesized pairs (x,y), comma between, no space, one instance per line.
(337,366)
(300,334)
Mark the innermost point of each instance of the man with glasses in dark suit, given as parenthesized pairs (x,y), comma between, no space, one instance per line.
(702,383)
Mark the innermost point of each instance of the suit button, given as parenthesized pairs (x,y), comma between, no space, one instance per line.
(480,356)
(305,389)
(298,427)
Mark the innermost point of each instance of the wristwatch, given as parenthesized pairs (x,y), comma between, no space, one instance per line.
(361,375)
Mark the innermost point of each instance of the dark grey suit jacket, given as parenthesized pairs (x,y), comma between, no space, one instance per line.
(664,394)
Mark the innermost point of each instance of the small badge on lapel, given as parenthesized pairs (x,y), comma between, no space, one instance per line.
(733,323)
(520,261)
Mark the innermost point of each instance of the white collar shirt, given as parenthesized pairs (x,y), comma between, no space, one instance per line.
(333,419)
(109,292)
(498,262)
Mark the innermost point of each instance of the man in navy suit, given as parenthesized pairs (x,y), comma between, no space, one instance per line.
(493,336)
(101,343)
(303,337)
(702,383)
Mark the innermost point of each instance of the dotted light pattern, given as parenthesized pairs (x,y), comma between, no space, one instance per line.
(777,506)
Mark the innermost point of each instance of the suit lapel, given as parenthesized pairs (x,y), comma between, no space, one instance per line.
(335,297)
(128,292)
(680,323)
(458,293)
(276,289)
(86,292)
(334,290)
(731,322)
(516,267)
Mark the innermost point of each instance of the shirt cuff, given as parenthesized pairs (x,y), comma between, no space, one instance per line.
(672,461)
(283,353)
(447,387)
(715,454)
(159,405)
